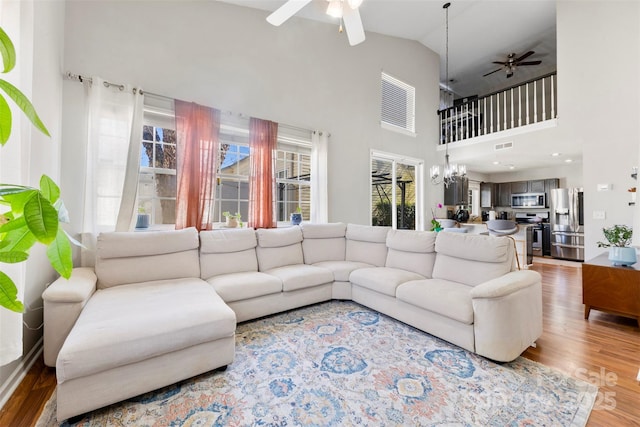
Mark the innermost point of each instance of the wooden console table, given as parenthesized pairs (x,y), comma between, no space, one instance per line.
(610,288)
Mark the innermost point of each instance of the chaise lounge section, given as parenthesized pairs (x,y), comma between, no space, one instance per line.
(166,304)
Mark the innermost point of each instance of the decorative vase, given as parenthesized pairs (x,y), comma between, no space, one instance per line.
(296,218)
(143,221)
(232,222)
(622,255)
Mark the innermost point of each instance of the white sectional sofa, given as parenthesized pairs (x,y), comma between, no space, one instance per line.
(154,301)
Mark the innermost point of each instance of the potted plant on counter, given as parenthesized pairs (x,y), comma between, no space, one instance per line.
(296,217)
(233,220)
(619,241)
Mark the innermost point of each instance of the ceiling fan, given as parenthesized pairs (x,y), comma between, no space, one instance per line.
(346,10)
(512,63)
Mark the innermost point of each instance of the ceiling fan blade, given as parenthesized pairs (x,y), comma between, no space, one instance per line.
(530,63)
(286,11)
(499,63)
(353,25)
(526,55)
(494,71)
(509,75)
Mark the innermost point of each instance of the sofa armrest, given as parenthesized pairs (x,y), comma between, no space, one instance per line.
(507,284)
(507,315)
(64,299)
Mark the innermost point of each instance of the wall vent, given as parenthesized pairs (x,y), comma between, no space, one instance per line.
(503,146)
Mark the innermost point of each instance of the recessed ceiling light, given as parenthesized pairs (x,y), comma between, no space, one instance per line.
(496,162)
(568,161)
(511,167)
(555,154)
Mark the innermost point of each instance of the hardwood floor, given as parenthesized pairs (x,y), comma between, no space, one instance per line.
(604,350)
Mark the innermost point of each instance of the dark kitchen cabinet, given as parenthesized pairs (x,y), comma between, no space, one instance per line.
(486,195)
(551,184)
(537,186)
(503,196)
(457,193)
(519,187)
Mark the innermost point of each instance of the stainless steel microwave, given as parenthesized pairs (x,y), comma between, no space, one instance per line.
(528,200)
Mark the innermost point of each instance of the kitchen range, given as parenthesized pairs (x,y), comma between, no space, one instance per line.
(538,233)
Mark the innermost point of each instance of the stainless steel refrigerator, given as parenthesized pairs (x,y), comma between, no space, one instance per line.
(567,224)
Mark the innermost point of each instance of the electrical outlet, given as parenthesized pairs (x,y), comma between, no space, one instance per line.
(599,215)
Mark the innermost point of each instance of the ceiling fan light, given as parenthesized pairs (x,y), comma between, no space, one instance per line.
(354,4)
(335,8)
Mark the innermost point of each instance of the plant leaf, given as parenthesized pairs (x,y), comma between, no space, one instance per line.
(8,52)
(13,224)
(5,121)
(25,105)
(49,189)
(13,257)
(9,189)
(21,239)
(59,254)
(42,218)
(19,200)
(9,294)
(63,213)
(74,241)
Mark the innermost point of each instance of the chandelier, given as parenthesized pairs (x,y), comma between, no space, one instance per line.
(451,171)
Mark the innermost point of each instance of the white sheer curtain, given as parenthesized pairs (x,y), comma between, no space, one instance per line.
(319,177)
(113,158)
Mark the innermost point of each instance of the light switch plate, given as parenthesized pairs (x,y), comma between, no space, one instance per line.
(599,215)
(604,187)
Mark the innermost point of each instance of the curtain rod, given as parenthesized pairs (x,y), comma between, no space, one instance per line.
(80,78)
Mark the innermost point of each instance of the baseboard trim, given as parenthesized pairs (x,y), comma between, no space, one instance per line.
(11,384)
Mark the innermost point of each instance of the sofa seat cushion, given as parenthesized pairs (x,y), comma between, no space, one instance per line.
(382,279)
(131,323)
(450,299)
(342,269)
(245,285)
(301,276)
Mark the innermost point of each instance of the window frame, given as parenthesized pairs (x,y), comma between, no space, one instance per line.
(390,103)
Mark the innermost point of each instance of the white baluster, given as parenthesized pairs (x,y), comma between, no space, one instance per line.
(553,99)
(485,116)
(491,115)
(498,112)
(544,104)
(519,105)
(512,110)
(535,102)
(504,107)
(527,102)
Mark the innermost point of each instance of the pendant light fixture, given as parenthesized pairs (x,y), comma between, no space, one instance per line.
(451,171)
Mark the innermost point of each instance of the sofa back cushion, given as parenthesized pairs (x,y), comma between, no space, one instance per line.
(367,244)
(411,250)
(132,257)
(278,247)
(472,259)
(323,242)
(227,251)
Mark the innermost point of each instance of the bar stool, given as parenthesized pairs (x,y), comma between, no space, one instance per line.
(504,227)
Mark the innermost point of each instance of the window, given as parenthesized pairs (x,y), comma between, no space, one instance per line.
(157,181)
(398,106)
(157,184)
(293,183)
(396,191)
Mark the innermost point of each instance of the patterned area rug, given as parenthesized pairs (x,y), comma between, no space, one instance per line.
(339,363)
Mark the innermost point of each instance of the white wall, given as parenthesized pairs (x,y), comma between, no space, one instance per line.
(39,55)
(303,73)
(598,88)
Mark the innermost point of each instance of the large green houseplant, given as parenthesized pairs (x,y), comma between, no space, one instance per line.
(31,215)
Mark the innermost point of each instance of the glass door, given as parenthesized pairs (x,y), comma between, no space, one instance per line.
(395,191)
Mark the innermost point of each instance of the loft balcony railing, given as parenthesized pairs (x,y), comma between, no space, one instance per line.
(531,102)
